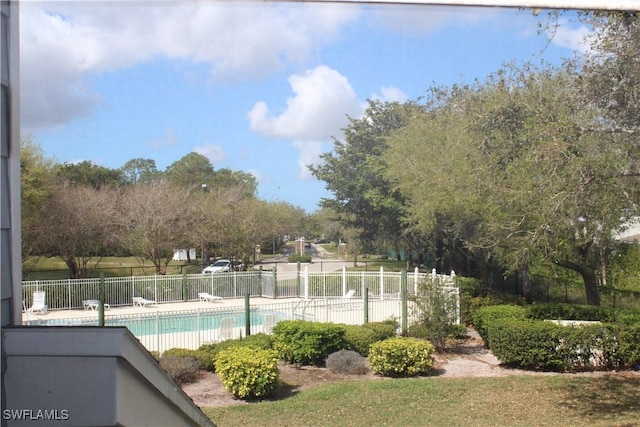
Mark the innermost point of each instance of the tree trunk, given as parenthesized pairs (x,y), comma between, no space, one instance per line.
(590,287)
(73,267)
(525,277)
(588,278)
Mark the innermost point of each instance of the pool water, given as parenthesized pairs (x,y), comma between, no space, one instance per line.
(169,324)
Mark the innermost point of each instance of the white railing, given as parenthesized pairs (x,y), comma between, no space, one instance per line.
(160,331)
(69,294)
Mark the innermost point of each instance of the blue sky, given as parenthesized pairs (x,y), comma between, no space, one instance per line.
(261,88)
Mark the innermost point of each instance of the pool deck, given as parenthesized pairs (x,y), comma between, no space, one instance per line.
(156,308)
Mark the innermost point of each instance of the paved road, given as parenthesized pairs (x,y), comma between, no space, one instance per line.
(321,261)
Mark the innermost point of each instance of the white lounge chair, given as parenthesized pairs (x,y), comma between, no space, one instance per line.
(227,327)
(93,304)
(39,303)
(142,302)
(204,296)
(349,294)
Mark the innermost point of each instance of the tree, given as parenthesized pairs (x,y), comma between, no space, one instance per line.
(191,171)
(242,181)
(77,224)
(139,171)
(363,198)
(156,219)
(36,174)
(512,155)
(88,174)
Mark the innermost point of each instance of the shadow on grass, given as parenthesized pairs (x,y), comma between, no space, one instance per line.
(604,397)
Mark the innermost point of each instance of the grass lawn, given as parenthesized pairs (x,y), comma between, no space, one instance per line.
(538,400)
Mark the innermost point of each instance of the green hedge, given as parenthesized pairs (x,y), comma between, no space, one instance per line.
(248,372)
(484,316)
(360,337)
(401,357)
(542,345)
(629,346)
(307,343)
(571,312)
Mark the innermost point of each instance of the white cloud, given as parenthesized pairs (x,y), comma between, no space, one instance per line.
(318,110)
(571,37)
(322,102)
(64,43)
(310,152)
(215,153)
(391,94)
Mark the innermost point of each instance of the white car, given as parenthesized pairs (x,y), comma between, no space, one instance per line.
(219,266)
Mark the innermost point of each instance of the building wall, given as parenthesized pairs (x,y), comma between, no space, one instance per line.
(10,247)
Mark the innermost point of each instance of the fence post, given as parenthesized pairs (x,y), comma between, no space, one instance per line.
(185,293)
(415,281)
(403,303)
(344,280)
(298,278)
(306,282)
(381,283)
(101,299)
(158,332)
(275,281)
(247,316)
(69,292)
(365,296)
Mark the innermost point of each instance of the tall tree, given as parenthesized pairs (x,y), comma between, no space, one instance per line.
(155,220)
(139,171)
(77,224)
(191,171)
(512,155)
(88,174)
(354,172)
(36,175)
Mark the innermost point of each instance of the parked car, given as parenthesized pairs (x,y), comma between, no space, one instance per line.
(219,266)
(322,241)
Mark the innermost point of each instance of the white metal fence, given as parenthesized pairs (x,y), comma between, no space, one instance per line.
(69,294)
(160,331)
(377,298)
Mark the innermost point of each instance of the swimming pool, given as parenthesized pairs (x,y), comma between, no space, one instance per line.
(168,322)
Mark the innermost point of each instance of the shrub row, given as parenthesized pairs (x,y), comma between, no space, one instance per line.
(518,338)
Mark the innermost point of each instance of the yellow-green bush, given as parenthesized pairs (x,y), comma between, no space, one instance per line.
(401,357)
(248,372)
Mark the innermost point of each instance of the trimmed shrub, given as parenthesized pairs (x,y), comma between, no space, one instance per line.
(485,316)
(570,312)
(401,357)
(418,330)
(307,343)
(182,370)
(359,338)
(179,352)
(383,330)
(347,362)
(299,258)
(248,372)
(206,353)
(527,344)
(540,345)
(629,346)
